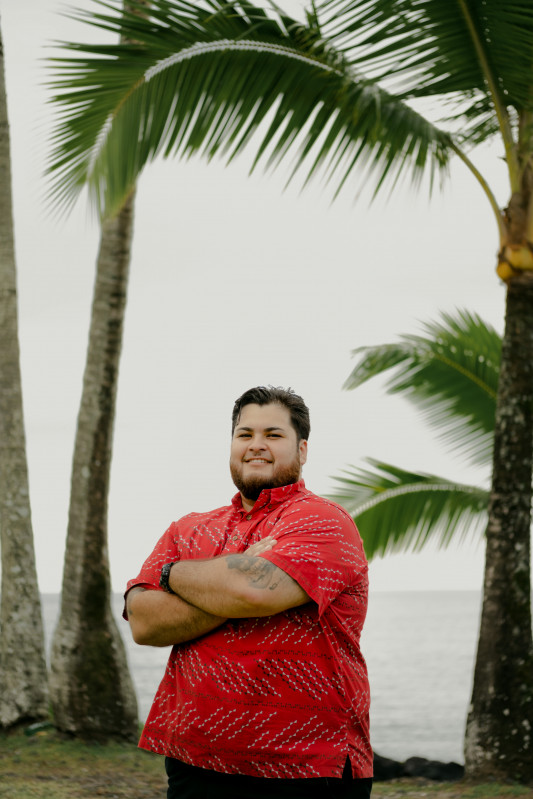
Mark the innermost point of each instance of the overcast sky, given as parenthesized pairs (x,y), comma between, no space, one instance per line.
(234,283)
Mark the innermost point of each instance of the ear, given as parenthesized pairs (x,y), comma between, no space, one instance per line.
(302,447)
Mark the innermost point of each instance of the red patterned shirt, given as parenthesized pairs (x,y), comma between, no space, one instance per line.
(278,696)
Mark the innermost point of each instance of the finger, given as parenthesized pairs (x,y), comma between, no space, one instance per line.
(260,546)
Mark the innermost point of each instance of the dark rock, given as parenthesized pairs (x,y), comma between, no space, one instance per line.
(386,769)
(433,770)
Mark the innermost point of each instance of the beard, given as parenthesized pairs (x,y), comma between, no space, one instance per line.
(251,487)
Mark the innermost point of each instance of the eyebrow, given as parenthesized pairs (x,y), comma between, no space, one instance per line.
(265,429)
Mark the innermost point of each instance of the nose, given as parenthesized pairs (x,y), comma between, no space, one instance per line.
(256,444)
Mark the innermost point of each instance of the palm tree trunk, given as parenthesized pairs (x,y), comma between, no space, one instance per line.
(91,688)
(23,677)
(499,734)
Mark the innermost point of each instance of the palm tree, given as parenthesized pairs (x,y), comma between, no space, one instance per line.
(90,684)
(341,92)
(451,375)
(23,676)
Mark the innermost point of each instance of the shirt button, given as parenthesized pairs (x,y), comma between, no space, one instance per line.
(249,516)
(235,538)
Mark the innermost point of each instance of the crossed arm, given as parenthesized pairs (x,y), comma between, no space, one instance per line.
(208,592)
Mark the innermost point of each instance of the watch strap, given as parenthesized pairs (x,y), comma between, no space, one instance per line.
(165,576)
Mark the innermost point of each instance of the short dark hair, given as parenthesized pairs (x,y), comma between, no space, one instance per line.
(267,395)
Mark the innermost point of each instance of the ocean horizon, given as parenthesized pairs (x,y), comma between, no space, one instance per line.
(420,650)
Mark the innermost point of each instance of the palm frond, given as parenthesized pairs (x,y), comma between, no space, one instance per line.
(203,79)
(451,374)
(438,48)
(400,511)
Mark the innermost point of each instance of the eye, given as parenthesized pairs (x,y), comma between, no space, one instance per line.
(274,435)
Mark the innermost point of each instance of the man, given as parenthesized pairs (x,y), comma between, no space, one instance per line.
(266,691)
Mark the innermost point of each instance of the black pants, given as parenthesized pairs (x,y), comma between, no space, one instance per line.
(191,782)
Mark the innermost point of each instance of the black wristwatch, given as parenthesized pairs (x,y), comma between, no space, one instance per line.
(165,574)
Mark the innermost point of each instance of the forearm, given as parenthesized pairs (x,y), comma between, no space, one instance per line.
(160,619)
(236,586)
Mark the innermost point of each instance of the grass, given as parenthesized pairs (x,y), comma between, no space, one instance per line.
(417,789)
(48,766)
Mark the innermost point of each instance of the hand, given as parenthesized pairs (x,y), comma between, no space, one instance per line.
(261,546)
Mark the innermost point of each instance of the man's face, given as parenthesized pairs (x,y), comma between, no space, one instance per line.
(264,450)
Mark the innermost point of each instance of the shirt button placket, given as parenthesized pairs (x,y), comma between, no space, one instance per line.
(237,536)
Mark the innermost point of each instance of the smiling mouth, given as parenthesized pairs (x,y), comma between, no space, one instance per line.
(257,460)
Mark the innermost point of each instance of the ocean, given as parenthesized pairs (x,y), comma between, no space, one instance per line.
(420,649)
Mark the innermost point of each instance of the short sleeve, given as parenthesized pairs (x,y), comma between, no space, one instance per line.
(319,546)
(165,551)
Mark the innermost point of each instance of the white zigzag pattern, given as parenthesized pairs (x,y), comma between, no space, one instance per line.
(292,673)
(307,635)
(250,722)
(237,679)
(335,735)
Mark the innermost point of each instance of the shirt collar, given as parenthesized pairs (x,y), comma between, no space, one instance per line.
(270,496)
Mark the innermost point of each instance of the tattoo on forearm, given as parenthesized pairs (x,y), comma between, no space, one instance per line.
(260,572)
